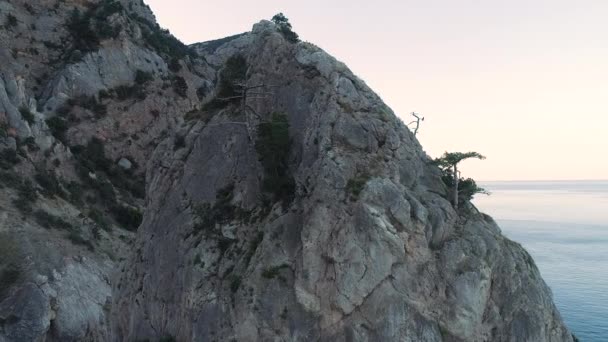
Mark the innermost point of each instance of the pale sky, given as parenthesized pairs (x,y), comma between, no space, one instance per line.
(524,82)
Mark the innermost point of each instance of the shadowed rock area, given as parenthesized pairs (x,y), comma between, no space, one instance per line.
(142,199)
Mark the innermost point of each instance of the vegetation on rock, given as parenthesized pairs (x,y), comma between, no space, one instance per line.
(273,147)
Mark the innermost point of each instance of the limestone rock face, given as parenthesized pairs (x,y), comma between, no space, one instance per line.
(364,247)
(394,262)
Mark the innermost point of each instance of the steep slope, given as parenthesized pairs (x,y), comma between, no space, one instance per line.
(87,91)
(312,213)
(340,233)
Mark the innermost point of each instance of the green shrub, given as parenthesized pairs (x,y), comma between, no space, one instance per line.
(48,220)
(235,283)
(27,196)
(234,71)
(30,142)
(162,40)
(10,264)
(285,28)
(130,218)
(77,239)
(180,86)
(355,185)
(99,219)
(142,77)
(27,115)
(90,103)
(50,184)
(273,272)
(222,211)
(8,159)
(11,21)
(58,127)
(80,26)
(174,65)
(273,147)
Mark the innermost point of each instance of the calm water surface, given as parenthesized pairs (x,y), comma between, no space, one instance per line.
(564,225)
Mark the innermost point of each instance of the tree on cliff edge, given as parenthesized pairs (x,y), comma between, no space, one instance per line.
(464,188)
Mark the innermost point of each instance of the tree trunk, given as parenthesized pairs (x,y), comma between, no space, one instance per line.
(455,187)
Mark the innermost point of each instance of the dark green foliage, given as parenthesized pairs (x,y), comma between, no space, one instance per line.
(30,142)
(142,77)
(74,192)
(221,212)
(99,219)
(10,263)
(92,159)
(10,179)
(27,115)
(77,239)
(130,218)
(47,220)
(167,338)
(202,91)
(11,21)
(273,146)
(125,92)
(467,187)
(90,103)
(174,65)
(162,40)
(179,142)
(80,25)
(285,28)
(84,38)
(180,86)
(59,127)
(274,272)
(356,185)
(235,283)
(234,71)
(3,129)
(27,196)
(50,184)
(8,159)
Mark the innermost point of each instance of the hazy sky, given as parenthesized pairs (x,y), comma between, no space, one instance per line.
(524,82)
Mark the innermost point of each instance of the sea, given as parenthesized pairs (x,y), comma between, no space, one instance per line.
(564,226)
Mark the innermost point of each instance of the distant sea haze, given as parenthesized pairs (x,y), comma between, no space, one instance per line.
(564,226)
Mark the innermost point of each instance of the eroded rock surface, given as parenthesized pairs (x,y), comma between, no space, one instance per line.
(365,247)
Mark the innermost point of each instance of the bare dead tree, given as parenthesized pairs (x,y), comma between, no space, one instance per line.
(247,92)
(417,122)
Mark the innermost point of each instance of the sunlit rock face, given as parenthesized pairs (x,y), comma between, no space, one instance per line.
(362,246)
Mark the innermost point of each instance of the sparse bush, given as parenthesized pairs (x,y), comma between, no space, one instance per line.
(180,86)
(48,220)
(27,196)
(273,272)
(142,77)
(11,21)
(355,185)
(129,218)
(99,219)
(77,239)
(234,71)
(50,184)
(162,40)
(27,115)
(235,283)
(174,65)
(30,142)
(59,127)
(10,263)
(222,211)
(285,28)
(273,147)
(8,159)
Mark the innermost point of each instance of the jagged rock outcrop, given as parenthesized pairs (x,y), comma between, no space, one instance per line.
(388,261)
(332,225)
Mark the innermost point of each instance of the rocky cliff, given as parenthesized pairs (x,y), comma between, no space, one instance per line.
(142,198)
